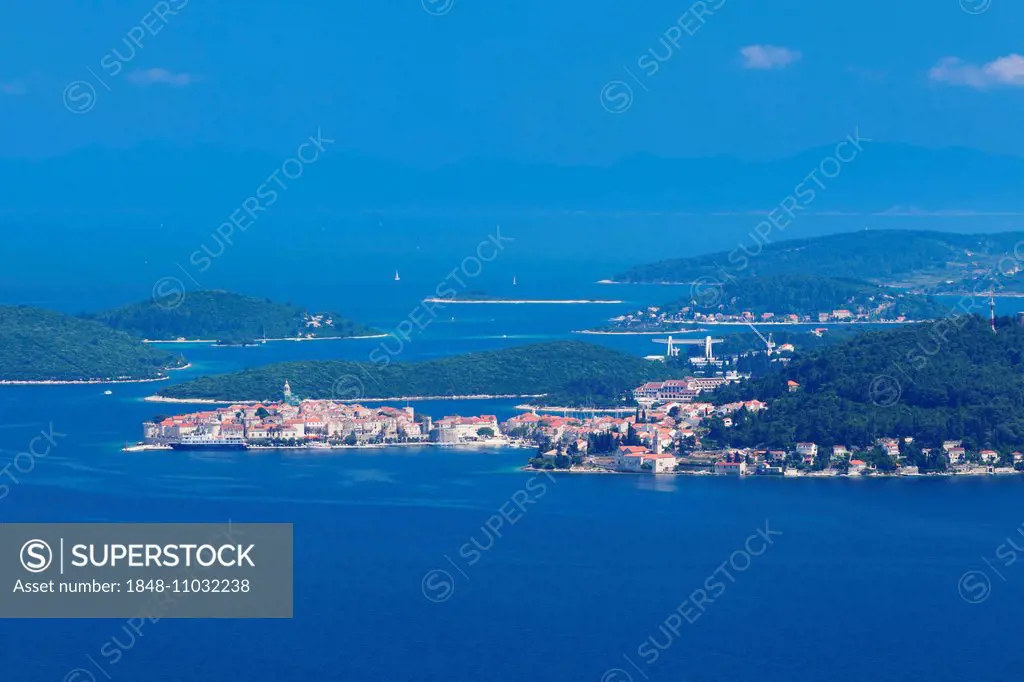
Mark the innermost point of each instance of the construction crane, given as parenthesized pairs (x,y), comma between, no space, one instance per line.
(707,342)
(769,342)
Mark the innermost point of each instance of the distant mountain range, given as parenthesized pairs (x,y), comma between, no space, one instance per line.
(166,178)
(938,262)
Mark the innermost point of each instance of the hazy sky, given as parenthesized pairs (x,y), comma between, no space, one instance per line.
(429,82)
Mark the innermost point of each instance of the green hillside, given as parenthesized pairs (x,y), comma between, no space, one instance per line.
(807,295)
(225,316)
(882,256)
(42,345)
(948,380)
(568,372)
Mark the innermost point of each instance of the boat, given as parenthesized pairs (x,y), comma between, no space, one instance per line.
(204,441)
(108,392)
(513,280)
(397,278)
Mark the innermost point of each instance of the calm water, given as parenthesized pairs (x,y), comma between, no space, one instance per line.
(861,584)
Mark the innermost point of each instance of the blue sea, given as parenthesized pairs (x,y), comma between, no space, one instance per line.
(399,571)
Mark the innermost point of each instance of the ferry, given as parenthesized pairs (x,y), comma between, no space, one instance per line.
(204,441)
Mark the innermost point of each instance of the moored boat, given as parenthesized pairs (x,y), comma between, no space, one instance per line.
(207,442)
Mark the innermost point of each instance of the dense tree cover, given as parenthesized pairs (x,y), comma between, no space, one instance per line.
(601,443)
(952,379)
(876,255)
(806,295)
(222,316)
(42,345)
(570,373)
(561,461)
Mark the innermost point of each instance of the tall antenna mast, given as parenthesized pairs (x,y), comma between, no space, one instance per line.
(992,308)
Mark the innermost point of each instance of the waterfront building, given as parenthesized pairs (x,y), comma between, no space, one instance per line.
(453,429)
(659,463)
(731,468)
(808,451)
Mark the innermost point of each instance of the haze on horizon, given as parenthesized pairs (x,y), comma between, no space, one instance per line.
(431,83)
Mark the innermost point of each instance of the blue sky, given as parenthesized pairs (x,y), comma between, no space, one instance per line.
(430,82)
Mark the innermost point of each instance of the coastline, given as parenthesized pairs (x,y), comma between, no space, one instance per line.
(605,410)
(213,401)
(75,382)
(258,341)
(942,474)
(670,284)
(494,443)
(728,323)
(435,299)
(614,333)
(332,338)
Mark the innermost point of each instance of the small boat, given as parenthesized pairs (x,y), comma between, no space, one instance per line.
(108,393)
(397,278)
(513,280)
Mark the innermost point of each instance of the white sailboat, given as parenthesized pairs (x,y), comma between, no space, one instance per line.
(513,280)
(397,278)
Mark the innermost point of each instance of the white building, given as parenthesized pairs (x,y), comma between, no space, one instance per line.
(731,468)
(659,464)
(807,449)
(458,429)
